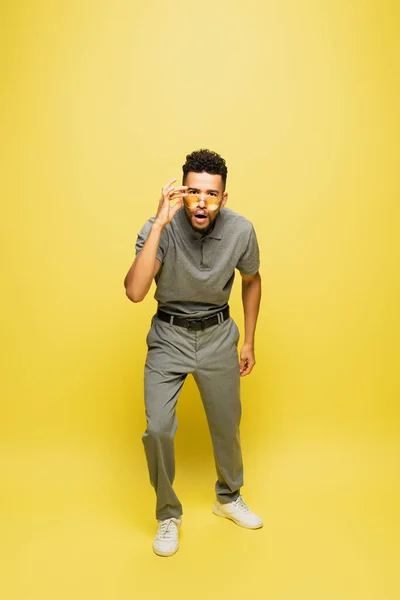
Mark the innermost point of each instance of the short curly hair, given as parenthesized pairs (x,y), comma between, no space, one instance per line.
(205,160)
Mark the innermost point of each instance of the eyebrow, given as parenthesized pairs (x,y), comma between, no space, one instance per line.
(197,190)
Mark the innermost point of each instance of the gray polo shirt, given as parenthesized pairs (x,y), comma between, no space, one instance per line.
(197,270)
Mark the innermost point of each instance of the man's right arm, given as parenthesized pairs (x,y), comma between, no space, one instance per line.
(145,267)
(146,264)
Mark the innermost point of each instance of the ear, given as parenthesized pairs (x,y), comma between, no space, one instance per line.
(224,199)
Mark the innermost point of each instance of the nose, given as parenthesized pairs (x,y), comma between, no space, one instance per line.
(202,202)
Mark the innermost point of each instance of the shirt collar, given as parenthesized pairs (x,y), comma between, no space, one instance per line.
(194,236)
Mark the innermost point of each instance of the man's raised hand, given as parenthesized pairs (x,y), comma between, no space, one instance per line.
(169,192)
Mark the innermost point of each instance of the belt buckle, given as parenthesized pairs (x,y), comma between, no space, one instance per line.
(194,324)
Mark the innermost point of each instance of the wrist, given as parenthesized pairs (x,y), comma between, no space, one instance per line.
(157,226)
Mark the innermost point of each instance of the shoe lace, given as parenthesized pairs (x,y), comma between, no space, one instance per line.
(167,529)
(241,505)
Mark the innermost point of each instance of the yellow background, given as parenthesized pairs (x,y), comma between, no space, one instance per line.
(101,103)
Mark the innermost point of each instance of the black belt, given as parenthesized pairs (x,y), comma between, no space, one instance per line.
(194,324)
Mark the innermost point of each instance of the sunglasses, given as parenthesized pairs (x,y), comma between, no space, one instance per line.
(193,200)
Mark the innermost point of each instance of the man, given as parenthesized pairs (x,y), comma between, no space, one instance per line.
(192,249)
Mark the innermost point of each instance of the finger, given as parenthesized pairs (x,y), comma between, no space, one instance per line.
(167,185)
(177,195)
(246,371)
(168,199)
(180,187)
(249,368)
(176,189)
(172,194)
(167,193)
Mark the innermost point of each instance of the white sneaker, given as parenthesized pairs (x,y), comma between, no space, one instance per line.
(239,512)
(166,541)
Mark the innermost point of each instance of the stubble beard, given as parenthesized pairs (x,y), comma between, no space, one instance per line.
(206,230)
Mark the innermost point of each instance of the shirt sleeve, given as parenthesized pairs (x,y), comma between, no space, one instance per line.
(249,262)
(143,235)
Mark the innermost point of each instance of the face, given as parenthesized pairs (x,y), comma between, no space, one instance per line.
(203,209)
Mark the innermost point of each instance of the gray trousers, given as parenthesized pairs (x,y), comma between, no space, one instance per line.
(211,356)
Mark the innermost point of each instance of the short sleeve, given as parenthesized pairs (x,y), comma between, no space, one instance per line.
(143,235)
(249,262)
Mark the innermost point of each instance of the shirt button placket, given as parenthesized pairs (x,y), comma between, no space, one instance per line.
(201,253)
(203,263)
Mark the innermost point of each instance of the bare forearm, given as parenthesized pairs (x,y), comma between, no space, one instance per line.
(251,297)
(140,276)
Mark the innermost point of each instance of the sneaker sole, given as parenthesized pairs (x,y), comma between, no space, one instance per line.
(165,554)
(219,513)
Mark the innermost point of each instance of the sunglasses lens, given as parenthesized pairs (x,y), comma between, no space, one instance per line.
(212,204)
(191,200)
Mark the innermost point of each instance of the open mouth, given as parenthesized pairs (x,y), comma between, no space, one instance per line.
(200,218)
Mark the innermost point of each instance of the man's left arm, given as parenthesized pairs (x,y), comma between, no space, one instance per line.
(251,296)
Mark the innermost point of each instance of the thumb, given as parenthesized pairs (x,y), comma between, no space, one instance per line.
(176,207)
